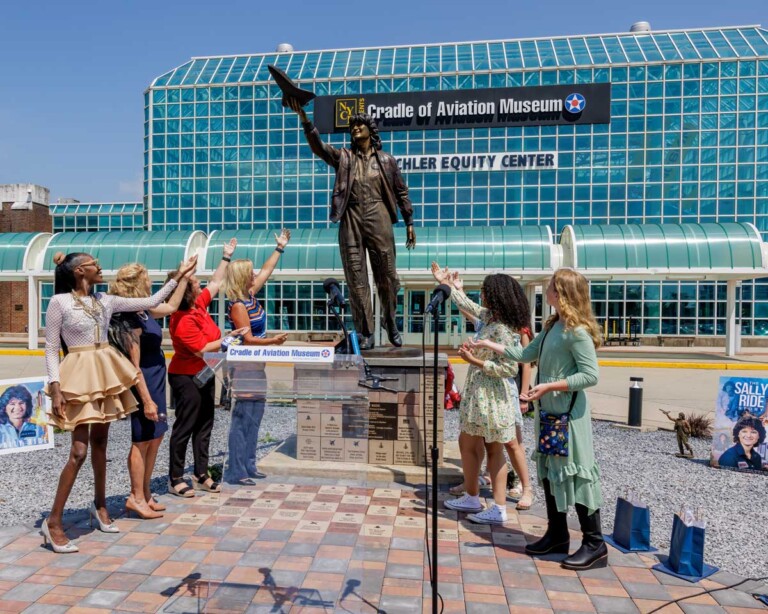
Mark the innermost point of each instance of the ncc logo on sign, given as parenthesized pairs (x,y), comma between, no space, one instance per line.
(575,103)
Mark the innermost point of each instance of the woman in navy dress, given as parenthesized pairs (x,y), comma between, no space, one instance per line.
(140,337)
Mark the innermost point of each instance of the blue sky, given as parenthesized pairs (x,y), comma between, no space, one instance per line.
(72,74)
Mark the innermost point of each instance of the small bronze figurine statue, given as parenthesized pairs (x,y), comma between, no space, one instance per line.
(367,192)
(683,431)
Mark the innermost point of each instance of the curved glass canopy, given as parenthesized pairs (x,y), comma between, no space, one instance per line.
(14,247)
(701,248)
(159,251)
(522,248)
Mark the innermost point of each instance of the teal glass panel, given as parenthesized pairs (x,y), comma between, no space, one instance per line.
(546,53)
(179,74)
(416,60)
(323,70)
(632,49)
(563,54)
(251,69)
(263,73)
(448,58)
(756,41)
(580,52)
(432,60)
(721,45)
(615,52)
(210,68)
(496,56)
(354,66)
(597,50)
(650,46)
(293,68)
(464,57)
(530,55)
(685,46)
(237,69)
(480,57)
(738,42)
(513,55)
(703,46)
(371,63)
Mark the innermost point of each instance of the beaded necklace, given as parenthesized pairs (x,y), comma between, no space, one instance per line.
(94,310)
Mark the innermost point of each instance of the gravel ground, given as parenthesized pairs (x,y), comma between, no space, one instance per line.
(735,505)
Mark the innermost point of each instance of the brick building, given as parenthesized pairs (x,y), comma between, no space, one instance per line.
(23,208)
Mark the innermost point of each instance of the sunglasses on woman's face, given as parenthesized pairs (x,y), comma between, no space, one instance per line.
(94,262)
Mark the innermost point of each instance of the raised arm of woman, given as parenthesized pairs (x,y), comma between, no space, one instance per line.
(218,275)
(172,304)
(269,266)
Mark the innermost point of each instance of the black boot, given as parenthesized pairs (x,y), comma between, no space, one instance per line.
(593,553)
(556,540)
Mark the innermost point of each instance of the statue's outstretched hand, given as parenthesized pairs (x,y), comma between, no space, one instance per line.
(296,107)
(410,242)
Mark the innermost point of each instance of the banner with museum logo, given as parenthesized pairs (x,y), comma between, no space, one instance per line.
(546,105)
(741,420)
(24,408)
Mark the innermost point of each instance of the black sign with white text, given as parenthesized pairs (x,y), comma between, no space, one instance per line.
(496,107)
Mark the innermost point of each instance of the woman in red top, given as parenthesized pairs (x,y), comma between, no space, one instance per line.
(194,333)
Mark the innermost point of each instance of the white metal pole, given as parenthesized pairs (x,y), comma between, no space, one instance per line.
(730,318)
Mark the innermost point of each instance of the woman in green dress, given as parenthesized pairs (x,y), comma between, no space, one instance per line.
(567,359)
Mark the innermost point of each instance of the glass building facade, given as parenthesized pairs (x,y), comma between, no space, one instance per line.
(687,142)
(93,217)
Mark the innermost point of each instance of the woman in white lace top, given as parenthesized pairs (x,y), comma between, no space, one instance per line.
(91,387)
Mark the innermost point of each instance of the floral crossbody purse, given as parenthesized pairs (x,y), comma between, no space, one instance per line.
(553,428)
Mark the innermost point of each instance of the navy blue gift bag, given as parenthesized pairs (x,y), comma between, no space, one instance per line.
(632,526)
(686,549)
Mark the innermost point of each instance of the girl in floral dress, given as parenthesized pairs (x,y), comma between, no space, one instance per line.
(486,413)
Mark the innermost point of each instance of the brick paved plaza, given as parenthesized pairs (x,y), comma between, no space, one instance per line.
(304,545)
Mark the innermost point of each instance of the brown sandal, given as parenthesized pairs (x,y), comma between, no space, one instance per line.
(206,483)
(178,487)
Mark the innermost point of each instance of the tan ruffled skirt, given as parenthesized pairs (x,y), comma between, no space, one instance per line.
(96,383)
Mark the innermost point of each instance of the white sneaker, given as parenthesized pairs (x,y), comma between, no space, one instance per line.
(495,514)
(465,503)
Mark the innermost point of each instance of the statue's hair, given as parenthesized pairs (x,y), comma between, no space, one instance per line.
(366,120)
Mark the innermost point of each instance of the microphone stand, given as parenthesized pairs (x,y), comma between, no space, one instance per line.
(435,456)
(374,379)
(340,321)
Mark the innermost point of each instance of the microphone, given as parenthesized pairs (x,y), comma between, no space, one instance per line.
(441,293)
(331,288)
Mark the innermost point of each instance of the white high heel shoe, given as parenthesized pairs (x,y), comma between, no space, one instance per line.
(103,526)
(65,549)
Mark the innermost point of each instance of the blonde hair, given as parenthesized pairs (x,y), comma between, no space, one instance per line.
(574,304)
(237,279)
(130,281)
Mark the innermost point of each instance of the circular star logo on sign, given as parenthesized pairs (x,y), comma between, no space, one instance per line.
(325,353)
(575,103)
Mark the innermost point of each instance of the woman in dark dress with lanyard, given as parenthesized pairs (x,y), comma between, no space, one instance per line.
(243,283)
(140,337)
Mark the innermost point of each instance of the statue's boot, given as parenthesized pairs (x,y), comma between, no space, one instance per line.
(367,343)
(395,338)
